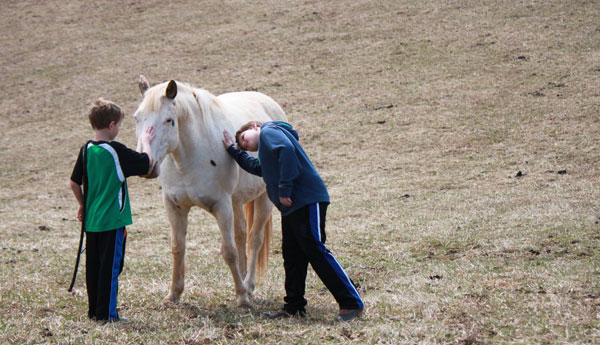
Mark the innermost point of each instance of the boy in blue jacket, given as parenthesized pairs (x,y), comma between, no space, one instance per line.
(297,190)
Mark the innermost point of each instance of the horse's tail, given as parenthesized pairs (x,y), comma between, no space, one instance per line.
(263,254)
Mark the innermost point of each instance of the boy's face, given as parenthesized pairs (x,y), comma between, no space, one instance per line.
(249,139)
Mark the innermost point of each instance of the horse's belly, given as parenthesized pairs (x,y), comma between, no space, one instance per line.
(188,197)
(204,201)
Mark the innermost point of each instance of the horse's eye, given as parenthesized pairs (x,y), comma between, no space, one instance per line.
(171,122)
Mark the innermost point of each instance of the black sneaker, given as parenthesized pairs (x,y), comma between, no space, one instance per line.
(118,320)
(283,314)
(349,315)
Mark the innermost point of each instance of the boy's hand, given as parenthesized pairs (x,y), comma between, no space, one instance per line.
(287,202)
(227,140)
(80,213)
(148,135)
(146,139)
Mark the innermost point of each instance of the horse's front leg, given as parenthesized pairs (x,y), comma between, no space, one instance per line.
(178,217)
(223,212)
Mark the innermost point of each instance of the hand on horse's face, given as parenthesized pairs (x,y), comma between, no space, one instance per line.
(148,135)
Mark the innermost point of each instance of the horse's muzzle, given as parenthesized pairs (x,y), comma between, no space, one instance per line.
(154,172)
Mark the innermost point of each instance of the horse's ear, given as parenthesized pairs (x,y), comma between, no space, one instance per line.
(171,90)
(143,84)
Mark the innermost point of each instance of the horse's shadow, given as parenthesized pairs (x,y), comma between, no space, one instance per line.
(226,314)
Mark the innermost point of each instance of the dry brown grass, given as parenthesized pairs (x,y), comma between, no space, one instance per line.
(418,114)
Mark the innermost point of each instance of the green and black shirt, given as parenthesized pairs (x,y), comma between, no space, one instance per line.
(108,166)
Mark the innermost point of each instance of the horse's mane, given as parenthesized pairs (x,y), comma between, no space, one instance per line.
(194,107)
(187,98)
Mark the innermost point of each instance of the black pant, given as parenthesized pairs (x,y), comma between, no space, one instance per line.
(303,242)
(105,255)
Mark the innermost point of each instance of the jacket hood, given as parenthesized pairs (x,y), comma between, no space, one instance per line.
(286,127)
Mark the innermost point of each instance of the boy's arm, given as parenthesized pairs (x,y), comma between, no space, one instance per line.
(136,163)
(76,188)
(77,180)
(245,161)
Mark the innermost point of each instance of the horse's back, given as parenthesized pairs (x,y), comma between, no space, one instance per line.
(254,105)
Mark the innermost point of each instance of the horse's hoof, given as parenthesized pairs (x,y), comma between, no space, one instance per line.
(245,306)
(244,302)
(170,301)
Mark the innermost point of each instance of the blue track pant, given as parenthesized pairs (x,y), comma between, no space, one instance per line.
(105,255)
(303,242)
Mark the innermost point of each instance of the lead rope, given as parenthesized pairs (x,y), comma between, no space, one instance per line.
(85,186)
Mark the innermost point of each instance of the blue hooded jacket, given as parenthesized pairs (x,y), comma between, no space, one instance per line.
(284,166)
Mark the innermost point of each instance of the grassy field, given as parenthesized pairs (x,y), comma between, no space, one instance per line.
(459,141)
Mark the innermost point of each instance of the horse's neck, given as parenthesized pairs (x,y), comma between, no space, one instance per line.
(200,134)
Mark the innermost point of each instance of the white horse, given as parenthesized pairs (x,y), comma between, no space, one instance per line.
(195,170)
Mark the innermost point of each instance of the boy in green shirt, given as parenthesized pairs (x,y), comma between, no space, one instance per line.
(102,168)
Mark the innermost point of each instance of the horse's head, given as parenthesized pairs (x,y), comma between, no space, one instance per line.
(158,109)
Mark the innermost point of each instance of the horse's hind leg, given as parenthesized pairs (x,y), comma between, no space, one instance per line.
(178,217)
(263,209)
(239,227)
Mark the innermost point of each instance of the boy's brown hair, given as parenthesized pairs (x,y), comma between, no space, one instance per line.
(103,112)
(244,128)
